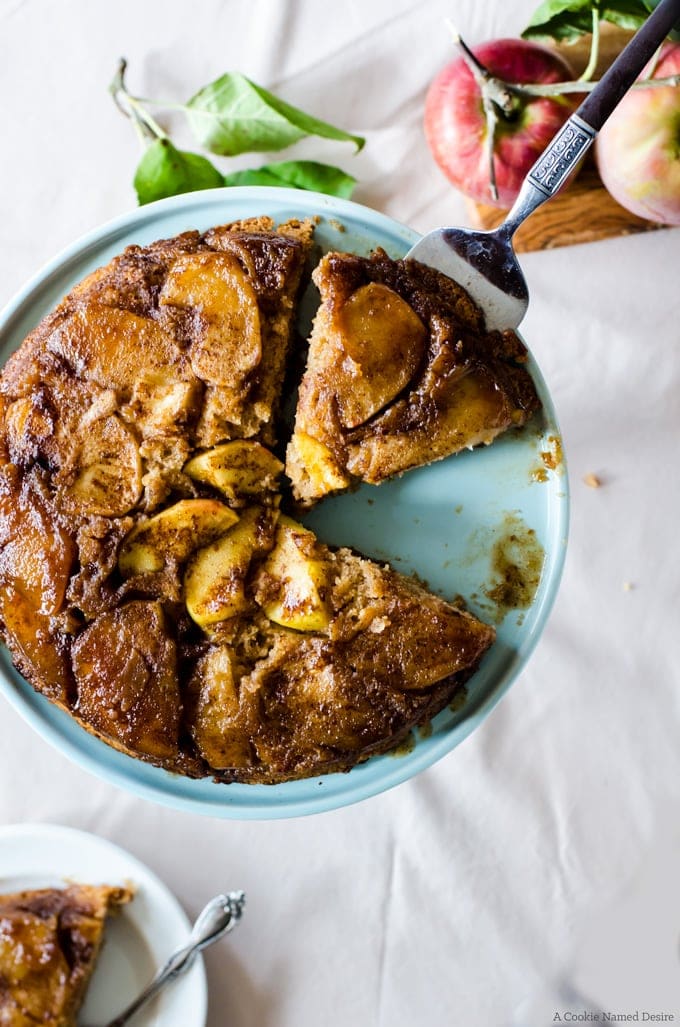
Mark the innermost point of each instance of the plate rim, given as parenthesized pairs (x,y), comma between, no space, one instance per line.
(44,718)
(39,832)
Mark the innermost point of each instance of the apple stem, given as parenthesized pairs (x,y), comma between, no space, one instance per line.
(492,87)
(589,69)
(496,97)
(489,142)
(147,128)
(559,88)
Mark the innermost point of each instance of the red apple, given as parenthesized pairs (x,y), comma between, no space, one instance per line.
(638,150)
(455,123)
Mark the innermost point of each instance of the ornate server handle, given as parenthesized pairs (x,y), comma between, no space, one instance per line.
(565,151)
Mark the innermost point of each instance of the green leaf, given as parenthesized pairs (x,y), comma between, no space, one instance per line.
(627,14)
(566,20)
(166,171)
(300,174)
(234,115)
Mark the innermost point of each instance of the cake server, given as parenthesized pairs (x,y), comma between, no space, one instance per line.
(218,918)
(484,263)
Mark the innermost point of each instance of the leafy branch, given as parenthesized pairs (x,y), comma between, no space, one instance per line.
(228,117)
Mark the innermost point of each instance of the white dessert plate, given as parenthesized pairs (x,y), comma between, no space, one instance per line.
(454,523)
(137,941)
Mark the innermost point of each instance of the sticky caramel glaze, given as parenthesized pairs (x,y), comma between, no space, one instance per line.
(468,387)
(100,408)
(248,651)
(49,943)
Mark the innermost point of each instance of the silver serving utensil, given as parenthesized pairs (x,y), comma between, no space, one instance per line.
(218,918)
(484,263)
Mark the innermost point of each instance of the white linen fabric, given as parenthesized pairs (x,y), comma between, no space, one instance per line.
(534,870)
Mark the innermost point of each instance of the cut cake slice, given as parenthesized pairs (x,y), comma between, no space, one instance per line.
(400,372)
(332,658)
(50,940)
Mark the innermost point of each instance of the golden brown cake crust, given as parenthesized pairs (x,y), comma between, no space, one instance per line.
(49,943)
(462,388)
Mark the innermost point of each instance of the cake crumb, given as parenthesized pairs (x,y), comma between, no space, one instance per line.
(628,586)
(592,480)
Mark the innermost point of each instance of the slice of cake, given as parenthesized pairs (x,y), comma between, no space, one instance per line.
(50,940)
(327,659)
(400,372)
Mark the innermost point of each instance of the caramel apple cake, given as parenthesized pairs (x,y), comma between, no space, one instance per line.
(401,372)
(152,583)
(50,940)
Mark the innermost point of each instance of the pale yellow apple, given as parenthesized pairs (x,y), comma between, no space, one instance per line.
(293,580)
(214,583)
(238,468)
(317,461)
(175,532)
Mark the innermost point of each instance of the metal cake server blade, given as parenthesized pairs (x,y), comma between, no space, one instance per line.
(484,263)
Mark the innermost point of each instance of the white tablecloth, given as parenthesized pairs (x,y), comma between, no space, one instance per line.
(540,858)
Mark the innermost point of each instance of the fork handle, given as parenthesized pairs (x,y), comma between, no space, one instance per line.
(179,963)
(565,151)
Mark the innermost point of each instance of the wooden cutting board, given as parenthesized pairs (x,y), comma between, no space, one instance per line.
(584,211)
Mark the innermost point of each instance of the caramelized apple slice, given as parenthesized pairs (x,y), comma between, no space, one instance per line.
(214,584)
(115,347)
(217,288)
(43,657)
(125,665)
(220,738)
(315,461)
(384,341)
(36,553)
(108,470)
(175,532)
(292,580)
(238,468)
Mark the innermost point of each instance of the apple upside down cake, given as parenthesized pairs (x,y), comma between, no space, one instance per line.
(50,940)
(151,582)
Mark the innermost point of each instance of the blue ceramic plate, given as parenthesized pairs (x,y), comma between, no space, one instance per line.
(452,523)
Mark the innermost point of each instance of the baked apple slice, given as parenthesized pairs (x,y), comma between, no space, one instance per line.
(125,668)
(215,712)
(218,292)
(174,532)
(237,469)
(294,578)
(215,581)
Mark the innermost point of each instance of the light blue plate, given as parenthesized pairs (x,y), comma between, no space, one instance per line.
(441,522)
